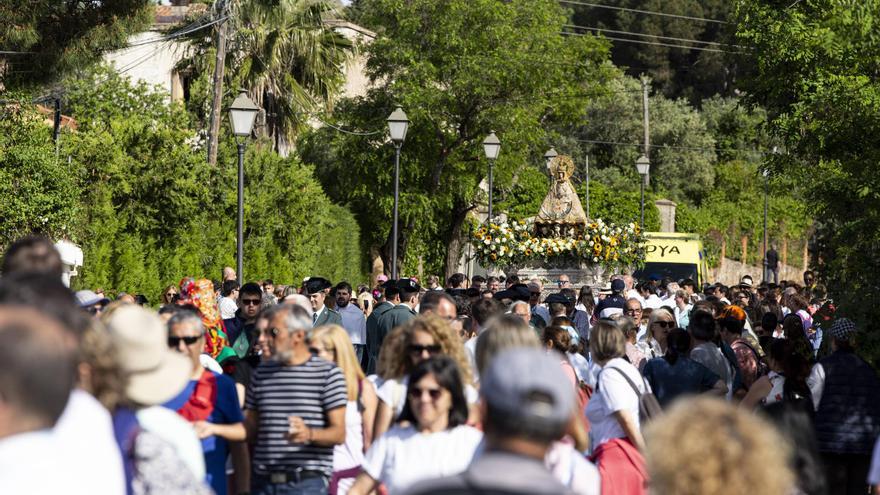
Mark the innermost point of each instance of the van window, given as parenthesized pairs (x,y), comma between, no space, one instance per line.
(659,270)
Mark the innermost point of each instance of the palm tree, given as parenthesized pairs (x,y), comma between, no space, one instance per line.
(291,61)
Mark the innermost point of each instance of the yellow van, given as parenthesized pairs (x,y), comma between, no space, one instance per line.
(674,255)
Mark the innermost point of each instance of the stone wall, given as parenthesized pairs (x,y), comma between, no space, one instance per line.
(730,272)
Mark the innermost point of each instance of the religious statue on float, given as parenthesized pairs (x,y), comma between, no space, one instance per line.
(561,213)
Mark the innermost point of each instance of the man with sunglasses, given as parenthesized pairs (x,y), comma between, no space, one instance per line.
(240,328)
(294,410)
(209,401)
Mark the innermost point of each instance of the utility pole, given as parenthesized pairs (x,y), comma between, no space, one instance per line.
(217,100)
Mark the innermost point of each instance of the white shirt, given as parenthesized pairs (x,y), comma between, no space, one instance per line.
(653,301)
(403,456)
(38,463)
(354,322)
(613,393)
(351,453)
(85,426)
(170,427)
(227,308)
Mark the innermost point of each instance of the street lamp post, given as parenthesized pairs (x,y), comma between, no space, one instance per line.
(397,126)
(642,166)
(766,202)
(491,146)
(242,114)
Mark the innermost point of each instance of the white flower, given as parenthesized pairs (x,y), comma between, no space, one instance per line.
(595,259)
(487,242)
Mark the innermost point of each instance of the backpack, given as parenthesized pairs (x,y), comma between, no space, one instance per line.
(649,407)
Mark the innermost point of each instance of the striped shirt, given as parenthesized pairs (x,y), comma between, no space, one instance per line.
(278,391)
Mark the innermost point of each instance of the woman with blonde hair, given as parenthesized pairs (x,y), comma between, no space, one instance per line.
(404,348)
(708,447)
(660,323)
(331,343)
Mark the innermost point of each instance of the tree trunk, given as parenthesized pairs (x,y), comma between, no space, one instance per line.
(456,241)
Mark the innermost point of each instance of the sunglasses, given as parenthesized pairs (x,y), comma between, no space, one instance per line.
(250,302)
(418,393)
(665,324)
(418,350)
(175,341)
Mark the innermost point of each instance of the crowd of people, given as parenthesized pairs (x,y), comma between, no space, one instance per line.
(479,385)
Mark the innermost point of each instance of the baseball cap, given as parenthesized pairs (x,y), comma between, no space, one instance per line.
(617,285)
(155,373)
(86,298)
(746,281)
(528,385)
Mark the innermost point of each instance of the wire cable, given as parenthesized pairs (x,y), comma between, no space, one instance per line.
(353,133)
(656,43)
(640,11)
(688,148)
(671,38)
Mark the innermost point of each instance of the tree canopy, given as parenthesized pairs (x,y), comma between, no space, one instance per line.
(459,69)
(53,37)
(131,185)
(815,73)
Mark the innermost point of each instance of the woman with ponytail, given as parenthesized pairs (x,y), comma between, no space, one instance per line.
(675,374)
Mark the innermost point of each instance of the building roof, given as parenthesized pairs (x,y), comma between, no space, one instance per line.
(169,15)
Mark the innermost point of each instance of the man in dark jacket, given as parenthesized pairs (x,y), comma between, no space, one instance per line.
(845,393)
(390,298)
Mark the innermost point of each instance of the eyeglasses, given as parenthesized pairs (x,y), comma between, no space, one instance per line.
(665,324)
(175,341)
(534,294)
(418,350)
(250,302)
(418,393)
(633,311)
(271,332)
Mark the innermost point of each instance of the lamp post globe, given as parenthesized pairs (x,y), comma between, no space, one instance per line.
(398,123)
(242,114)
(550,155)
(643,166)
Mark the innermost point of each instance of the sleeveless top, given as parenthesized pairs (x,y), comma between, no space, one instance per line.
(351,453)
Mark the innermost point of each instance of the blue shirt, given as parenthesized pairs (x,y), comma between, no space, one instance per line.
(226,411)
(686,376)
